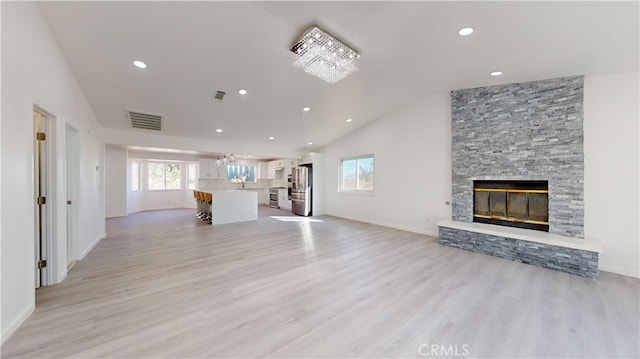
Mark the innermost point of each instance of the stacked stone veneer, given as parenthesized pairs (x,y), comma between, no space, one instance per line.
(574,261)
(522,131)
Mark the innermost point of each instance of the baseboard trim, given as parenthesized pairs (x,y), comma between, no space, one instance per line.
(617,270)
(17,323)
(92,245)
(61,276)
(384,224)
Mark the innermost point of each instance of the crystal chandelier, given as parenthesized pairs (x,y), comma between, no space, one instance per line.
(320,54)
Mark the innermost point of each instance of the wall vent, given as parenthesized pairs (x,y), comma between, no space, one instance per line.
(145,121)
(219,95)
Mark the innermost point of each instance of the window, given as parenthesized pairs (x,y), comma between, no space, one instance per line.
(240,174)
(162,176)
(356,174)
(191,175)
(135,176)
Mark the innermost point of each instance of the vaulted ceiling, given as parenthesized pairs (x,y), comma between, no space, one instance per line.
(409,50)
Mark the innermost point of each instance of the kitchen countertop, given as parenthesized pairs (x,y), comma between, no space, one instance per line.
(233,205)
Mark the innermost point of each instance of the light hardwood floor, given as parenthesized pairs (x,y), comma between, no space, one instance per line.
(163,284)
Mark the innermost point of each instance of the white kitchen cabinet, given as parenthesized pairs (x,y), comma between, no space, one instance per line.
(207,169)
(263,196)
(204,168)
(279,169)
(289,164)
(263,171)
(276,169)
(221,172)
(271,173)
(278,164)
(283,199)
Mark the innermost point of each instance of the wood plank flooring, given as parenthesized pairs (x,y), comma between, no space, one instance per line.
(164,285)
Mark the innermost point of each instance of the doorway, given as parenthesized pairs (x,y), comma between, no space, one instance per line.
(42,123)
(72,166)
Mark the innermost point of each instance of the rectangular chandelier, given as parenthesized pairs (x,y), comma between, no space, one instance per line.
(322,55)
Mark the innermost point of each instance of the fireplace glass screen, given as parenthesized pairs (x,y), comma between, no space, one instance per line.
(523,204)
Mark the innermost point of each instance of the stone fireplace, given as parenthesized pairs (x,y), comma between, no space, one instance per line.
(517,161)
(521,132)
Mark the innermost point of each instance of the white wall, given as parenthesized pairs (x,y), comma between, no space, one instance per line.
(35,72)
(412,168)
(611,197)
(115,182)
(412,150)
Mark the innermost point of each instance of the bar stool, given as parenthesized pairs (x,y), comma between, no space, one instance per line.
(195,196)
(208,197)
(203,206)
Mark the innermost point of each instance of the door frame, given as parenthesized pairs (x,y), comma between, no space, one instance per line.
(55,232)
(72,183)
(42,185)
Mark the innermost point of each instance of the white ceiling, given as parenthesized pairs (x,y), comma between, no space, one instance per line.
(409,50)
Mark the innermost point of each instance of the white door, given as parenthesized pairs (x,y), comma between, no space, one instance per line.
(40,191)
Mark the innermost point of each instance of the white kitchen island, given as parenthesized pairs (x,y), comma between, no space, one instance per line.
(231,206)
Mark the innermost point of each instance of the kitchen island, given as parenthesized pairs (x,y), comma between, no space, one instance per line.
(231,206)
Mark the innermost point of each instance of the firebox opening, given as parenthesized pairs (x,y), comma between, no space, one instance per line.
(522,204)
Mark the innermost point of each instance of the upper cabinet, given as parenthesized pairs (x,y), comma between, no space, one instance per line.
(207,169)
(263,170)
(275,168)
(204,168)
(278,164)
(281,168)
(268,170)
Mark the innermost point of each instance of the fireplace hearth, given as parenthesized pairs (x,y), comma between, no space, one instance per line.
(522,204)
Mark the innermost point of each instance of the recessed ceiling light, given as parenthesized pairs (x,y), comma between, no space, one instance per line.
(349,120)
(271,138)
(242,91)
(496,73)
(140,64)
(306,109)
(465,31)
(219,130)
(309,143)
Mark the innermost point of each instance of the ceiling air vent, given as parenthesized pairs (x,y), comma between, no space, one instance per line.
(145,121)
(219,95)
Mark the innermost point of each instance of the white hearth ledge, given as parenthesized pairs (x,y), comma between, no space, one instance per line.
(528,235)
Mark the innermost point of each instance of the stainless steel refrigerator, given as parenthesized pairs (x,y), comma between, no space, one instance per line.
(301,189)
